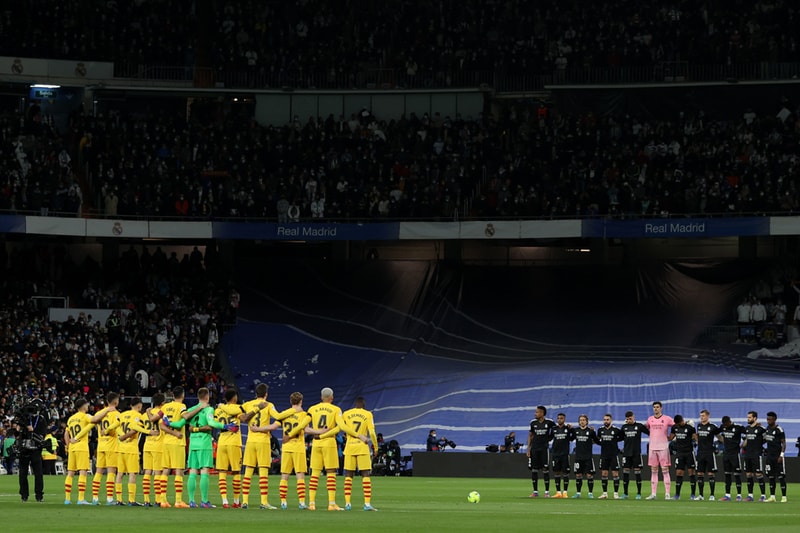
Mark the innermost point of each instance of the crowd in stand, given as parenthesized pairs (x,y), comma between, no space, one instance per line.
(36,169)
(525,161)
(445,42)
(142,31)
(164,332)
(422,43)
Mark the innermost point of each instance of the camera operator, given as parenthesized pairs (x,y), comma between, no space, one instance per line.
(31,422)
(511,445)
(435,444)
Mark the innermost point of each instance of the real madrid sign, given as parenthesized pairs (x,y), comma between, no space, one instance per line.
(135,229)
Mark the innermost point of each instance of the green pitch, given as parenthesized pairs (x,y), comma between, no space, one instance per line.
(409,504)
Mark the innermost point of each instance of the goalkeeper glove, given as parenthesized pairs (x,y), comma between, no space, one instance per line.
(166,421)
(233,428)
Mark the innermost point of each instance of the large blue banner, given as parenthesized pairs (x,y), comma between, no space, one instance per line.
(677,227)
(301,231)
(12,224)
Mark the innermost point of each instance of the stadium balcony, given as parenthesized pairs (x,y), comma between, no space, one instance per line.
(501,80)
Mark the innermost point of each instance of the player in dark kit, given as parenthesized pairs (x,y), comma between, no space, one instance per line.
(609,437)
(682,437)
(559,454)
(776,448)
(731,460)
(585,438)
(753,450)
(632,453)
(539,437)
(706,435)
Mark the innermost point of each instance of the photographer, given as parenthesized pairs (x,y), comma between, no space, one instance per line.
(31,421)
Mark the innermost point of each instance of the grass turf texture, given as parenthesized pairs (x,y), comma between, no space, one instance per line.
(409,504)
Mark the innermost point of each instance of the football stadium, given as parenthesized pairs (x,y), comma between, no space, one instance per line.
(400,265)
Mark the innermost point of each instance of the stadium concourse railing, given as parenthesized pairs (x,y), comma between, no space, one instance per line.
(500,79)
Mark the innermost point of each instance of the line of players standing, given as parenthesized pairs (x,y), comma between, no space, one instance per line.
(749,455)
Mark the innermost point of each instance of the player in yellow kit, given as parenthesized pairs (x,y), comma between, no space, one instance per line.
(357,454)
(107,448)
(173,457)
(324,451)
(229,446)
(132,424)
(77,444)
(153,446)
(293,451)
(258,448)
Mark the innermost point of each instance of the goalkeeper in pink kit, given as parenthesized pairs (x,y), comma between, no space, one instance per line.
(658,456)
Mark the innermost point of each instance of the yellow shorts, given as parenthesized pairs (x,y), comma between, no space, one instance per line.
(128,463)
(106,459)
(358,462)
(152,460)
(78,460)
(326,458)
(229,458)
(173,457)
(294,461)
(258,454)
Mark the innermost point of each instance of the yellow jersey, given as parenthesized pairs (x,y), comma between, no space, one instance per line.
(174,410)
(107,433)
(262,419)
(228,413)
(361,422)
(325,416)
(293,426)
(131,420)
(153,442)
(78,427)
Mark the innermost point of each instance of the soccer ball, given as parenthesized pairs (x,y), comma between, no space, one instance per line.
(690,422)
(474,497)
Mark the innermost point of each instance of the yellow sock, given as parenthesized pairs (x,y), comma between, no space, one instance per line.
(246,480)
(110,481)
(68,488)
(313,481)
(161,483)
(97,480)
(178,488)
(223,486)
(366,483)
(131,492)
(81,487)
(283,487)
(331,488)
(348,489)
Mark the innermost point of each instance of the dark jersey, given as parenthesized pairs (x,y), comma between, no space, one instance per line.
(584,440)
(732,438)
(541,433)
(754,441)
(774,437)
(609,437)
(706,438)
(562,435)
(633,438)
(683,443)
